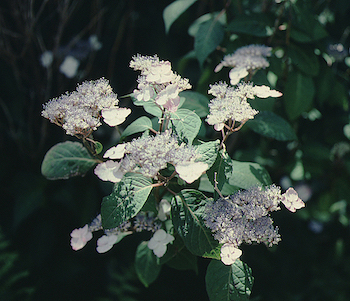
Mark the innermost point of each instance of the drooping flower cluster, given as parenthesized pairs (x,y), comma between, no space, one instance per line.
(150,154)
(244,217)
(143,221)
(244,61)
(158,82)
(80,112)
(231,103)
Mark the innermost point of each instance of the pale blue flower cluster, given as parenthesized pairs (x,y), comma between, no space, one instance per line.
(244,217)
(149,154)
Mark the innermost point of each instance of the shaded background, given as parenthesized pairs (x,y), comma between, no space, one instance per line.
(37,215)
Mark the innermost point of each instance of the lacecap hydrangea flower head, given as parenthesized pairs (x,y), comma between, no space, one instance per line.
(231,103)
(245,61)
(244,217)
(148,155)
(158,82)
(80,112)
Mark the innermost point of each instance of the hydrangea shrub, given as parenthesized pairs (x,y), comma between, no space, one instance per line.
(231,204)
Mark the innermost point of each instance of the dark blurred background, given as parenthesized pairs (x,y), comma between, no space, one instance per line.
(37,215)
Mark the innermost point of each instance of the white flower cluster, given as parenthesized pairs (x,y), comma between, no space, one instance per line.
(142,221)
(158,82)
(150,154)
(80,112)
(245,217)
(245,60)
(231,102)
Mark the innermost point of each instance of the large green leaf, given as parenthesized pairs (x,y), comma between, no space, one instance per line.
(149,106)
(196,102)
(304,59)
(298,94)
(186,124)
(174,10)
(218,171)
(187,210)
(146,265)
(236,174)
(127,199)
(65,160)
(209,35)
(257,25)
(305,28)
(247,174)
(179,257)
(230,283)
(209,151)
(139,125)
(271,125)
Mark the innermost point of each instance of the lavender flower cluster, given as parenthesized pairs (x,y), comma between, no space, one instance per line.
(244,217)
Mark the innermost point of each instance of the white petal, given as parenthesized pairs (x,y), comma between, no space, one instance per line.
(236,74)
(164,210)
(106,242)
(160,250)
(109,171)
(191,171)
(115,152)
(115,116)
(265,91)
(229,254)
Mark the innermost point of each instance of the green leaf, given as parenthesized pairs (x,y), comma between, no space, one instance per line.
(247,174)
(149,106)
(298,94)
(187,211)
(146,265)
(186,124)
(65,160)
(305,27)
(229,283)
(179,257)
(271,125)
(209,35)
(304,59)
(196,102)
(257,25)
(236,175)
(174,10)
(209,151)
(324,84)
(127,199)
(139,125)
(221,167)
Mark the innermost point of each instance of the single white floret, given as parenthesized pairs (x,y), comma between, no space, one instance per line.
(115,152)
(115,116)
(80,237)
(237,73)
(190,172)
(164,209)
(106,242)
(291,200)
(109,171)
(158,242)
(229,253)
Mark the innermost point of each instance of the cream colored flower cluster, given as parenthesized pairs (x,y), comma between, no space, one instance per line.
(158,82)
(80,111)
